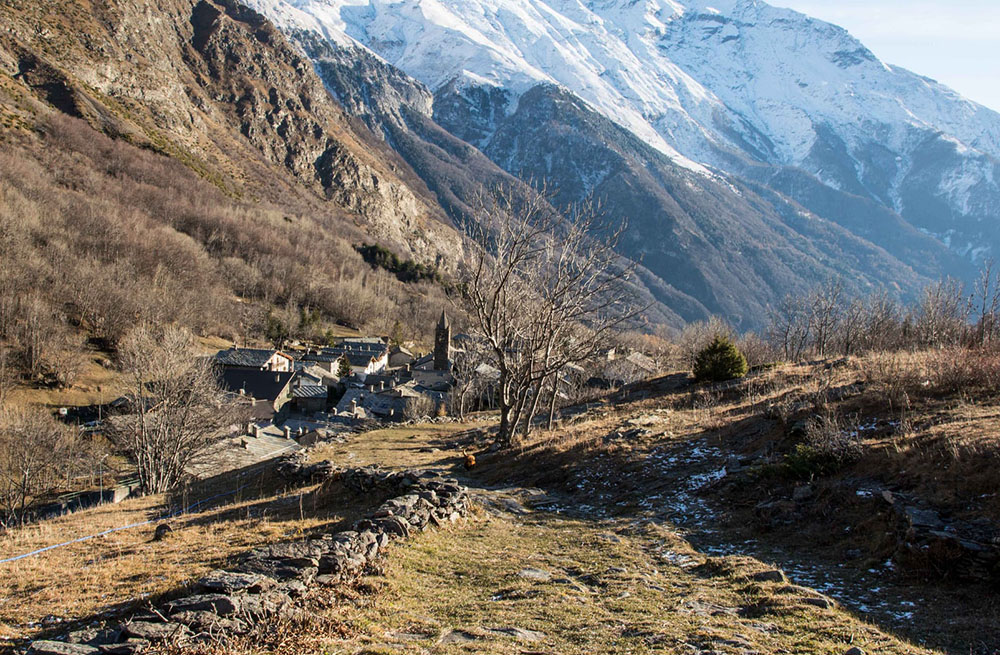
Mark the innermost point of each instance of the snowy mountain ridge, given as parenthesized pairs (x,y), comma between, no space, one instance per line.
(723,84)
(639,61)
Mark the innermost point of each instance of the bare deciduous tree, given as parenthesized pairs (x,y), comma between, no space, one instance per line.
(7,377)
(475,378)
(882,323)
(986,303)
(36,454)
(824,305)
(789,327)
(178,412)
(942,315)
(543,292)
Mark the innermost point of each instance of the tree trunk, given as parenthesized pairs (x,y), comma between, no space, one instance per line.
(534,408)
(552,401)
(515,422)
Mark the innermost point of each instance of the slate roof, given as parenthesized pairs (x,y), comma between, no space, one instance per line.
(244,357)
(309,391)
(320,357)
(358,341)
(309,371)
(424,362)
(359,358)
(262,385)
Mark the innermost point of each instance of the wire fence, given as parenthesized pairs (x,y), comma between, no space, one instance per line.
(178,512)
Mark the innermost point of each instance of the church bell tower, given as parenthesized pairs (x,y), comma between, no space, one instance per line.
(442,344)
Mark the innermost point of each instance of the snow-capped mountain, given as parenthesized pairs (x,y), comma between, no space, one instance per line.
(723,84)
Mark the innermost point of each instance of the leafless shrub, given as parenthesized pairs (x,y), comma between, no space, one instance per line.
(177,412)
(37,456)
(958,370)
(828,436)
(419,407)
(758,351)
(893,376)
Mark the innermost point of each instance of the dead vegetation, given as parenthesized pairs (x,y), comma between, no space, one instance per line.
(97,236)
(824,462)
(126,569)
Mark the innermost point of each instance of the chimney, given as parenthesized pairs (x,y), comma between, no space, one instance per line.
(288,432)
(381,385)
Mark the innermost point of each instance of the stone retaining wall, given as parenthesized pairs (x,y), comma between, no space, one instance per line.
(266,582)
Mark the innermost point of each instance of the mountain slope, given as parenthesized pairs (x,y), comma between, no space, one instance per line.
(695,233)
(180,162)
(217,86)
(734,248)
(724,84)
(399,109)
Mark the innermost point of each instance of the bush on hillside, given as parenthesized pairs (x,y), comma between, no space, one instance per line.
(719,361)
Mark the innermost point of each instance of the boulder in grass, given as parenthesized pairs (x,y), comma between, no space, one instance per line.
(202,621)
(130,647)
(773,575)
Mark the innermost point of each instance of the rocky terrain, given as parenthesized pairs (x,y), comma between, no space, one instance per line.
(218,87)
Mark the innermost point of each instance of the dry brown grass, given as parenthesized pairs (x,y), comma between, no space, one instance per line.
(613,590)
(409,446)
(95,383)
(127,568)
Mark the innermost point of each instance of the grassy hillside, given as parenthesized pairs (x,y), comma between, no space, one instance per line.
(872,478)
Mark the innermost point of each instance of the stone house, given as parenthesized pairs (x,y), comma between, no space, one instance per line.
(364,358)
(255,359)
(400,357)
(268,392)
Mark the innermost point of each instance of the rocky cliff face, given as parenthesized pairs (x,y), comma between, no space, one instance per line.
(215,84)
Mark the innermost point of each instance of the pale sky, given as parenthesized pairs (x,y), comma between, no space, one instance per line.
(956,42)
